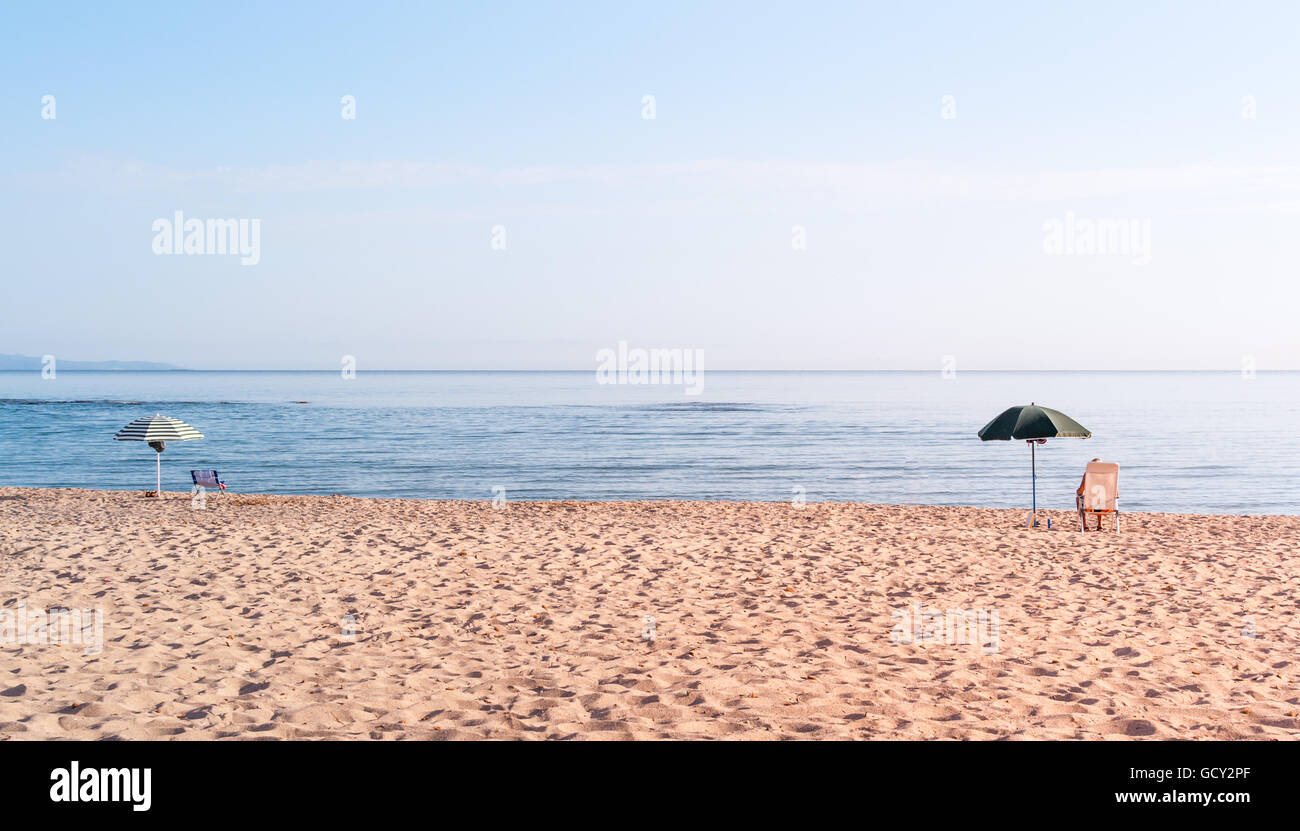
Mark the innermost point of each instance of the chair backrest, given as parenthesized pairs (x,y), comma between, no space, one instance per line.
(206,478)
(1101,486)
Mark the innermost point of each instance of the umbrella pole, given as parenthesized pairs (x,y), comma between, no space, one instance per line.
(159,485)
(1033,461)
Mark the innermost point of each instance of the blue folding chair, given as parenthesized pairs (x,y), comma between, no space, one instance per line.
(208,479)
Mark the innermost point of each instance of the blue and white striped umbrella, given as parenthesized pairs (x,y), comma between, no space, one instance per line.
(158,430)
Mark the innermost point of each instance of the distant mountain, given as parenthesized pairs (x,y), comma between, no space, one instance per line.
(27,362)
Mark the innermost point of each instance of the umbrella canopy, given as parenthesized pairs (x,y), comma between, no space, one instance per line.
(1035,425)
(1033,422)
(157,430)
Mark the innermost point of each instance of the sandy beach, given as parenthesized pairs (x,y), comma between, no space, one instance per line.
(260,617)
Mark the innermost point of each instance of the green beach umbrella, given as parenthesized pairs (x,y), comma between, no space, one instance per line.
(1035,425)
(157,430)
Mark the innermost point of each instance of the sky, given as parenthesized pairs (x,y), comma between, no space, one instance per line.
(846,186)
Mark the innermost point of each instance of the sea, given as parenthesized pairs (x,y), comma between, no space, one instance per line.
(1198,442)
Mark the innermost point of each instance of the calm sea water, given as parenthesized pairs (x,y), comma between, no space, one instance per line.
(1200,442)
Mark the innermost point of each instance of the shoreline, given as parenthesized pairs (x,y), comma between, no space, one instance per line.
(1058,515)
(321,617)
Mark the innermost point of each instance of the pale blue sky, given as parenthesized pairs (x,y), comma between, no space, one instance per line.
(924,234)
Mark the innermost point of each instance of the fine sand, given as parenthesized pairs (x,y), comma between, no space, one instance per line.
(530,621)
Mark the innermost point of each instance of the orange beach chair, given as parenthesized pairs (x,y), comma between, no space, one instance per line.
(1100,495)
